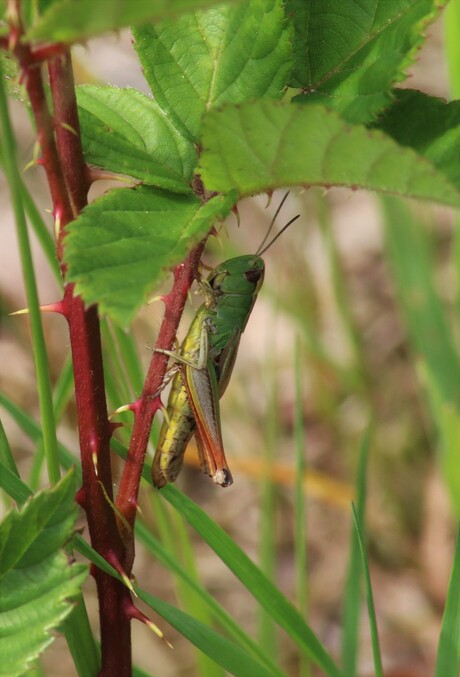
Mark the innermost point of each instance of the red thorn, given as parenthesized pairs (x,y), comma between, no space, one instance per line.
(80,497)
(157,404)
(135,406)
(40,161)
(133,612)
(57,307)
(236,211)
(112,559)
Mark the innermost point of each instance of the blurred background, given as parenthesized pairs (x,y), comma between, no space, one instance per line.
(334,318)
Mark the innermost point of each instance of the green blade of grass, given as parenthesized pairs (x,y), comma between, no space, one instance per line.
(300,522)
(32,429)
(225,653)
(38,340)
(448,659)
(281,610)
(177,551)
(429,331)
(130,357)
(42,233)
(119,380)
(370,597)
(237,561)
(12,485)
(352,601)
(267,549)
(225,621)
(452,45)
(62,393)
(6,456)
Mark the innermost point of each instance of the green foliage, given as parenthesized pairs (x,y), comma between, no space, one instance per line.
(270,598)
(262,145)
(126,132)
(448,661)
(428,125)
(78,20)
(221,113)
(122,245)
(228,54)
(370,597)
(429,331)
(36,580)
(349,58)
(352,596)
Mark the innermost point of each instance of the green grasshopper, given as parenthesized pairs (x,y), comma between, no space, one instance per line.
(204,366)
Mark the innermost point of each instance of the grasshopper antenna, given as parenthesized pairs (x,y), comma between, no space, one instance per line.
(262,252)
(270,228)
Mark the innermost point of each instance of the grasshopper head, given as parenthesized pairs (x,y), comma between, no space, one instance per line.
(241,275)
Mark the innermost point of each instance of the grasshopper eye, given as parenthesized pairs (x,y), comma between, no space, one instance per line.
(254,275)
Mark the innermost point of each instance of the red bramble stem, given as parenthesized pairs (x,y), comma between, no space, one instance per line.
(64,166)
(69,180)
(148,403)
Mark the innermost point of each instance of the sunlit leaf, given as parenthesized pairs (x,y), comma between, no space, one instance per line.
(126,132)
(122,245)
(77,20)
(348,56)
(36,580)
(226,54)
(263,145)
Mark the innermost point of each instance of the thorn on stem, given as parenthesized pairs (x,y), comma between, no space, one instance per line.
(115,562)
(102,175)
(154,299)
(80,498)
(135,614)
(120,410)
(135,406)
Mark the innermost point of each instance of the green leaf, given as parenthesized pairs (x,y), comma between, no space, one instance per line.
(448,660)
(447,419)
(12,484)
(428,125)
(263,145)
(370,597)
(352,591)
(77,20)
(36,579)
(409,252)
(120,247)
(225,653)
(208,601)
(267,594)
(227,54)
(348,56)
(126,132)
